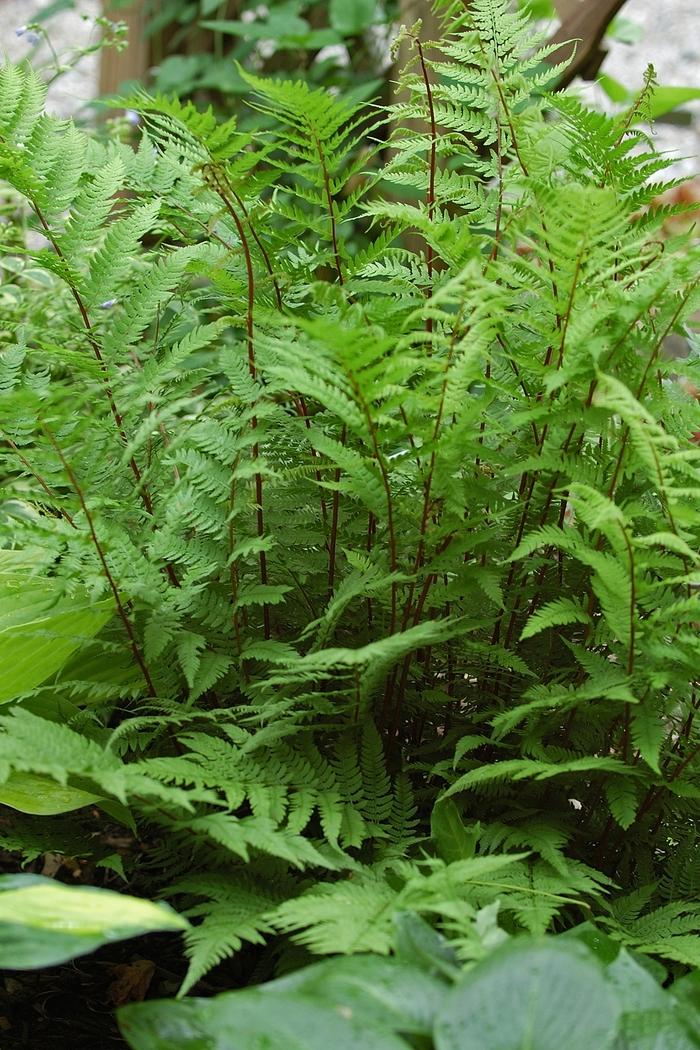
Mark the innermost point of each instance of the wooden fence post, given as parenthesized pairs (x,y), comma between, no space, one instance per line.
(583,21)
(133,63)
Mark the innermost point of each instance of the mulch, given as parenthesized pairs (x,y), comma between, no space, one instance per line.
(73,1007)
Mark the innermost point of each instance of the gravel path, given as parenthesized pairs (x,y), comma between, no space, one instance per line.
(68,31)
(671,42)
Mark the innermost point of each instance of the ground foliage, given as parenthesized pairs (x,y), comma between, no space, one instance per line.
(354,579)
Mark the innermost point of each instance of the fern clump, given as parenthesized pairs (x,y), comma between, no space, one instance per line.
(352,489)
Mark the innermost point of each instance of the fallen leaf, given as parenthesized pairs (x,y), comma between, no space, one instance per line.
(132,981)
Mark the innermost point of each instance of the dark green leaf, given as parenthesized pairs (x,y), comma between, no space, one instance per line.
(32,793)
(636,989)
(655,1030)
(250,1020)
(378,992)
(418,943)
(452,840)
(531,995)
(602,946)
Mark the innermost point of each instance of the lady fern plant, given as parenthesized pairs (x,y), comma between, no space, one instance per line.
(350,517)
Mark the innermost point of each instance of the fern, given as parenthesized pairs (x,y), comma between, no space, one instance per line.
(364,474)
(234,911)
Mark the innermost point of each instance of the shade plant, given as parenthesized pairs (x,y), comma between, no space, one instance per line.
(356,577)
(558,991)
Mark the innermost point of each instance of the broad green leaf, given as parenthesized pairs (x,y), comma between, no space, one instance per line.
(687,989)
(41,795)
(378,992)
(22,599)
(43,923)
(418,943)
(686,993)
(34,651)
(538,8)
(40,630)
(615,91)
(602,946)
(666,99)
(655,1030)
(531,995)
(625,30)
(663,100)
(634,986)
(51,9)
(351,17)
(447,830)
(249,1020)
(279,23)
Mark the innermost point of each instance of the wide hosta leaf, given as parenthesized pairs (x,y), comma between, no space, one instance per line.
(377,992)
(248,1020)
(416,941)
(531,995)
(43,922)
(655,1030)
(636,988)
(42,796)
(40,629)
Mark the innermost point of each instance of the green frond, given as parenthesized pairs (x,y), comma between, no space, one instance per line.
(347,917)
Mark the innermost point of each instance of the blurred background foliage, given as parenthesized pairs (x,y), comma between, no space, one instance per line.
(191,47)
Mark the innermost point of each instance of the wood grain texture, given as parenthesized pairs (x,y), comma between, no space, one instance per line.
(133,63)
(583,27)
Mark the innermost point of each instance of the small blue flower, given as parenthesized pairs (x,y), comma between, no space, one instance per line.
(29,35)
(132,117)
(108,304)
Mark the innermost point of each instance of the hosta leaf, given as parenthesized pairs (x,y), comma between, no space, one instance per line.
(379,992)
(530,995)
(655,1030)
(43,923)
(42,796)
(418,943)
(244,1020)
(40,630)
(635,986)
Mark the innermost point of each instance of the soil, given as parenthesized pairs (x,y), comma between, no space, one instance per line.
(72,1007)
